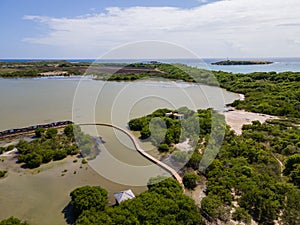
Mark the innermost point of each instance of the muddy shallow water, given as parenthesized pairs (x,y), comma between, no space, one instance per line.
(41,197)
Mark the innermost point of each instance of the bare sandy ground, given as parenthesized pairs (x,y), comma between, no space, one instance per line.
(237,118)
(184,146)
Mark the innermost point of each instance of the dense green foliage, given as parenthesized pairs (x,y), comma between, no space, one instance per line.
(266,92)
(292,169)
(6,149)
(39,132)
(51,145)
(213,208)
(164,130)
(47,146)
(194,160)
(247,171)
(88,198)
(190,180)
(163,203)
(162,71)
(163,148)
(241,215)
(240,62)
(2,173)
(291,212)
(12,221)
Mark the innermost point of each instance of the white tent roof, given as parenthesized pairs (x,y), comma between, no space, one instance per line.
(124,195)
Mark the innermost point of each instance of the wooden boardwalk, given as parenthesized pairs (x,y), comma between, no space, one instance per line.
(140,150)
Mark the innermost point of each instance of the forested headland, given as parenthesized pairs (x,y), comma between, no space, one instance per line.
(246,176)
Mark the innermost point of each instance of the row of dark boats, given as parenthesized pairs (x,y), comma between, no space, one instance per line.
(19,131)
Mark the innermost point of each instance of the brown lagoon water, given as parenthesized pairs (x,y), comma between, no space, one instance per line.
(40,198)
(31,101)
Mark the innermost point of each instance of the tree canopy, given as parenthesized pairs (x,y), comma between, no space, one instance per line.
(48,145)
(247,171)
(266,92)
(88,198)
(12,221)
(163,203)
(164,130)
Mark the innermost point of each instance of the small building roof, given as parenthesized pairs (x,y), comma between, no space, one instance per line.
(178,114)
(123,195)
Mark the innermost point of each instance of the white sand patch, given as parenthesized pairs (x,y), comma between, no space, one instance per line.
(184,146)
(12,152)
(237,118)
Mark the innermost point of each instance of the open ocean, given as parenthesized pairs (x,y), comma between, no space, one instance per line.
(278,65)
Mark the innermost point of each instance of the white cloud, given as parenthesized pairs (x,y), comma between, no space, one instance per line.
(234,28)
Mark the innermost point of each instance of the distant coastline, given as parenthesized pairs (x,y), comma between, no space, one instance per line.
(280,64)
(241,62)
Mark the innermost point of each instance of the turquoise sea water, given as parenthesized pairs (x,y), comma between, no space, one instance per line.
(278,65)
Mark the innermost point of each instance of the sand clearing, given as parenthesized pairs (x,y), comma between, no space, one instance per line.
(237,118)
(184,146)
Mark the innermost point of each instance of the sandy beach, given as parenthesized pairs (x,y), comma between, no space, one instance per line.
(237,118)
(184,146)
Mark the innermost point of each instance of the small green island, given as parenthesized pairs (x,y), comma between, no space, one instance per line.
(241,62)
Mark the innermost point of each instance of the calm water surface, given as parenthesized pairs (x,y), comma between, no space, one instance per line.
(26,102)
(31,101)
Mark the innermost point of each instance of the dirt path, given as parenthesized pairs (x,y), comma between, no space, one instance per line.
(280,164)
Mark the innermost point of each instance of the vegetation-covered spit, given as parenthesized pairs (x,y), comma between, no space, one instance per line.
(51,145)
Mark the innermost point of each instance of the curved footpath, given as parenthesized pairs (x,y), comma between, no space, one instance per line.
(139,149)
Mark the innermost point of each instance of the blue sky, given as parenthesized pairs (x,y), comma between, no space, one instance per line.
(89,28)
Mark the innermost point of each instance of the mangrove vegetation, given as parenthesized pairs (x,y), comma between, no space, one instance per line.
(49,144)
(163,203)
